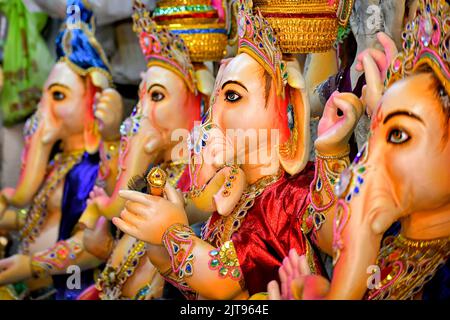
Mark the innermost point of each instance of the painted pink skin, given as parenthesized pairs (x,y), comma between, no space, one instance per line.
(297,281)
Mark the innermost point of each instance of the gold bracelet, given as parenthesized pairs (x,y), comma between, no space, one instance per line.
(323,157)
(37,271)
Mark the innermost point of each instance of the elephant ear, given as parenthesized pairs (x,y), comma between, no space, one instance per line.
(91,133)
(205,81)
(294,153)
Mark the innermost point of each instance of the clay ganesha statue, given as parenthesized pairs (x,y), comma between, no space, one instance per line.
(261,206)
(76,112)
(392,233)
(175,89)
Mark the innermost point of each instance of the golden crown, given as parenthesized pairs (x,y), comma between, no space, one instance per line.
(162,47)
(304,26)
(201,23)
(426,42)
(257,38)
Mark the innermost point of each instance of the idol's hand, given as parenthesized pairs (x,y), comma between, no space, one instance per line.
(99,241)
(341,114)
(108,112)
(96,192)
(147,217)
(99,196)
(15,269)
(297,282)
(375,64)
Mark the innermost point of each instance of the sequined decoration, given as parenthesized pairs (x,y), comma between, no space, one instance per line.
(37,213)
(407,265)
(56,258)
(179,244)
(258,39)
(426,41)
(129,128)
(326,175)
(228,185)
(226,262)
(111,280)
(31,124)
(160,46)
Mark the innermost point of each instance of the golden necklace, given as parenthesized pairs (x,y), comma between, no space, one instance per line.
(37,214)
(407,265)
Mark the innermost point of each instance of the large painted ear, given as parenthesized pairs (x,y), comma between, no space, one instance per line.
(91,133)
(205,81)
(294,153)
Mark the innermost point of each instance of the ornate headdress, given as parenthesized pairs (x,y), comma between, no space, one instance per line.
(305,26)
(426,43)
(201,24)
(161,47)
(77,46)
(257,39)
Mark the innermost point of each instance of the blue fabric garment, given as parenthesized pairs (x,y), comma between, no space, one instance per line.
(78,184)
(81,48)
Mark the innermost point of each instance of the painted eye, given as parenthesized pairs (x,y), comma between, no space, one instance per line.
(58,96)
(157,96)
(398,136)
(232,96)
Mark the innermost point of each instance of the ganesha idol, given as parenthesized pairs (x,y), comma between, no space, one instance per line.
(60,162)
(175,89)
(261,205)
(392,231)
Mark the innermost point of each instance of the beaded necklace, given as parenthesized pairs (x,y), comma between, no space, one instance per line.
(407,265)
(37,214)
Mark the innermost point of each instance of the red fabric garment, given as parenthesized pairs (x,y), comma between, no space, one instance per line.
(271,228)
(185,181)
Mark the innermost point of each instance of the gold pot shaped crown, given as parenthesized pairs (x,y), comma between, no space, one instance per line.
(202,24)
(305,26)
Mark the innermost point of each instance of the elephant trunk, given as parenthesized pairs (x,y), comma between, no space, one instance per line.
(35,158)
(366,209)
(133,161)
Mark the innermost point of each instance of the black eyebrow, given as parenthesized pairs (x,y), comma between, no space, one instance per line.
(401,113)
(155,85)
(234,82)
